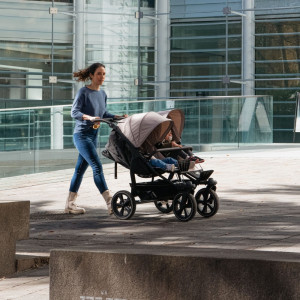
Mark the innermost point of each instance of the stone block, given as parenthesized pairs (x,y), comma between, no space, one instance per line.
(26,262)
(136,276)
(14,226)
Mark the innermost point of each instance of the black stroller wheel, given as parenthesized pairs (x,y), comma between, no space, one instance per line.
(123,205)
(207,202)
(164,206)
(184,206)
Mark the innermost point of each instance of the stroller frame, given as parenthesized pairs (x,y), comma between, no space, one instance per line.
(167,193)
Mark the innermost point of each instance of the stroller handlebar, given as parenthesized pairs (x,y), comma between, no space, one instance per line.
(109,121)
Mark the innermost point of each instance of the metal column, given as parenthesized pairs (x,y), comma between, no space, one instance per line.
(248,70)
(79,37)
(248,51)
(163,49)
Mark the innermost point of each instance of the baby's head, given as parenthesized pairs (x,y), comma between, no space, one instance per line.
(169,136)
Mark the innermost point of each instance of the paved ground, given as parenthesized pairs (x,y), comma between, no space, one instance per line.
(259,215)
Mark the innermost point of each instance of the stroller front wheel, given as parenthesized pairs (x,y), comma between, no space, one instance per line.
(123,205)
(184,206)
(207,202)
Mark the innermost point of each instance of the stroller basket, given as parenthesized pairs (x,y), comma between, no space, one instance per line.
(204,175)
(184,165)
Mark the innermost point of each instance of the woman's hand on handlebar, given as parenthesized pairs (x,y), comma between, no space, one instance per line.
(120,117)
(95,119)
(90,118)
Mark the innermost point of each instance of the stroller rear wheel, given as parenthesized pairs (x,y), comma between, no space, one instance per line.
(184,206)
(164,206)
(123,205)
(207,202)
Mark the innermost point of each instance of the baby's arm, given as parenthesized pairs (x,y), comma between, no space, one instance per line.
(174,144)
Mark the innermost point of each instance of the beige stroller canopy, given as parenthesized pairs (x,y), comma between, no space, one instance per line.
(150,127)
(177,116)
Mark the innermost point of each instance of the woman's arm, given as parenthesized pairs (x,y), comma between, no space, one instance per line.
(76,107)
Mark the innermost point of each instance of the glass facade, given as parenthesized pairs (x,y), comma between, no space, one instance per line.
(153,50)
(208,45)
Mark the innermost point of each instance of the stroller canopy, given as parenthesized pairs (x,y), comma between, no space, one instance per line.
(140,133)
(150,127)
(177,116)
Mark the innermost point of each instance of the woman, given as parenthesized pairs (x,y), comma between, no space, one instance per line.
(89,106)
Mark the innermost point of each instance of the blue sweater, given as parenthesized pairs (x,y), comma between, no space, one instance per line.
(88,102)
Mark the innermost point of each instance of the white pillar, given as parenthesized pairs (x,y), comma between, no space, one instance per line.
(162,47)
(248,68)
(248,51)
(57,128)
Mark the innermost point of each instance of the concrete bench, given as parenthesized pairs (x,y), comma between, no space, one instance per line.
(187,274)
(14,226)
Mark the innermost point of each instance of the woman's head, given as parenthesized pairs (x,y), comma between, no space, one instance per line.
(89,72)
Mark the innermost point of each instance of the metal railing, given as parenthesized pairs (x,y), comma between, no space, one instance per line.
(36,139)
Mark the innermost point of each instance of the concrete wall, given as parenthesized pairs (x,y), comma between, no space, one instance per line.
(14,226)
(98,275)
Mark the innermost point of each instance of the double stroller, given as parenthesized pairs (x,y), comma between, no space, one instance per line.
(169,190)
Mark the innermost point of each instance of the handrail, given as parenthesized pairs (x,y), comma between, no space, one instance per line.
(200,98)
(211,122)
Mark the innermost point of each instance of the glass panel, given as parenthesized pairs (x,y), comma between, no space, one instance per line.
(111,38)
(278,69)
(28,56)
(147,53)
(198,51)
(35,44)
(40,139)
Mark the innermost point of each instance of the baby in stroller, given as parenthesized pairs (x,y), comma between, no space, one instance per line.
(165,161)
(169,142)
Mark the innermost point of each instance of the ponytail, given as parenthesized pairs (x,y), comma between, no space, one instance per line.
(84,74)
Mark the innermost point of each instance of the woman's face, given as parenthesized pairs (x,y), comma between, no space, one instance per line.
(99,76)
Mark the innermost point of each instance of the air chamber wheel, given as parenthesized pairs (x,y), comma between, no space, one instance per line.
(184,206)
(164,206)
(123,205)
(207,202)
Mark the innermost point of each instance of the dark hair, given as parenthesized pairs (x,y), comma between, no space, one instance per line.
(84,74)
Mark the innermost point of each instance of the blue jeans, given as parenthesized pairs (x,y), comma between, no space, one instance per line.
(161,163)
(86,144)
